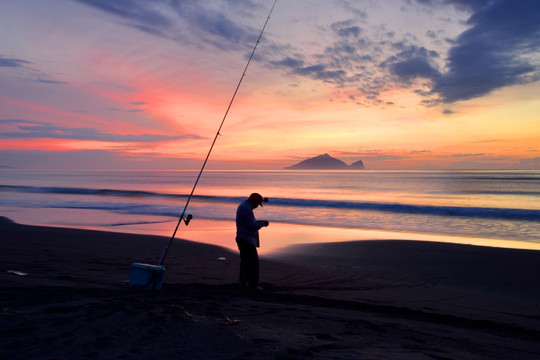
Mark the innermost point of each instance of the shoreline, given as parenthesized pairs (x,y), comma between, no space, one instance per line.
(379,299)
(281,235)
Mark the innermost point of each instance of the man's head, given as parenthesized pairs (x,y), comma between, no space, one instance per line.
(256,199)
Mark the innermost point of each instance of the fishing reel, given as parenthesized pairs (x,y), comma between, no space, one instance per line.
(188,219)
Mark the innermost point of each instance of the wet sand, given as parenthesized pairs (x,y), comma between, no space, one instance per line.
(378,299)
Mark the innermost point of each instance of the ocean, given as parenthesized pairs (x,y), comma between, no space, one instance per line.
(494,208)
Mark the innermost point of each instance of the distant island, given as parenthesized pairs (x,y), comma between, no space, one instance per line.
(326,162)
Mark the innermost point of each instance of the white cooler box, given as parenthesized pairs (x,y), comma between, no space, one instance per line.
(145,276)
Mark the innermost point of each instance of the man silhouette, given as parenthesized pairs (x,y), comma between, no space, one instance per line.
(247,238)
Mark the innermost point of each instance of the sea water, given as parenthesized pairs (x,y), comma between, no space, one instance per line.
(496,208)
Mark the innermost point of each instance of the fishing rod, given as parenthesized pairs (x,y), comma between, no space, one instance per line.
(183,216)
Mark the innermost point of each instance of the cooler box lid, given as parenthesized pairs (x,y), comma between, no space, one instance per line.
(148,267)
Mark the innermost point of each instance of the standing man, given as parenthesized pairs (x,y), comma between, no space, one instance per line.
(247,238)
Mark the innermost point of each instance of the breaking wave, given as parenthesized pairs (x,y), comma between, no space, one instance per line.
(139,206)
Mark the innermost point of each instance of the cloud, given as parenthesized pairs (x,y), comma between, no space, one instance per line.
(320,72)
(289,62)
(431,34)
(47,81)
(143,15)
(345,29)
(499,49)
(181,20)
(93,159)
(372,155)
(341,63)
(30,73)
(468,155)
(26,129)
(415,67)
(125,110)
(412,62)
(470,5)
(6,62)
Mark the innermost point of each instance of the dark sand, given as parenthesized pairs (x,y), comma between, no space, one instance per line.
(357,300)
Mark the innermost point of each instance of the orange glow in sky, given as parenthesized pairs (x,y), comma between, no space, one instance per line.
(146,85)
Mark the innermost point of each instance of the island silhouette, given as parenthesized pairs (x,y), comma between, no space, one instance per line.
(325,162)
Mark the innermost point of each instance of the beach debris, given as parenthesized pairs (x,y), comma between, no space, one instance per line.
(229,321)
(16,272)
(221,258)
(183,309)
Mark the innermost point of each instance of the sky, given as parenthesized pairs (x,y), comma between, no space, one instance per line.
(398,84)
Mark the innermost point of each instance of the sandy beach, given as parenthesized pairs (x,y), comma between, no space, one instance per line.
(64,295)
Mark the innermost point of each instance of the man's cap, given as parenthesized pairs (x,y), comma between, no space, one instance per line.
(257,199)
